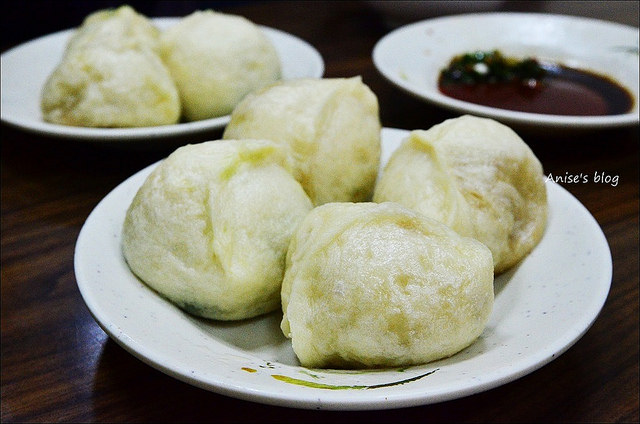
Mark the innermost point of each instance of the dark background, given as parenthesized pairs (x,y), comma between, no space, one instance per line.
(27,19)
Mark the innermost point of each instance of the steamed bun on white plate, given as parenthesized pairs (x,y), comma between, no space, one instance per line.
(379,285)
(215,60)
(111,75)
(476,176)
(331,128)
(210,226)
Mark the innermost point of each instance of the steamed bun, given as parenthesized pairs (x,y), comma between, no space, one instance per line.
(111,76)
(378,285)
(331,128)
(476,176)
(215,60)
(210,226)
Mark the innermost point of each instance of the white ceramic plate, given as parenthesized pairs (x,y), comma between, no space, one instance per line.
(25,69)
(542,307)
(412,57)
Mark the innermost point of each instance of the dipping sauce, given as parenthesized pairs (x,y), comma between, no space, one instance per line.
(491,79)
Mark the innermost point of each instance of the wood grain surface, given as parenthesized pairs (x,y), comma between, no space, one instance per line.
(59,366)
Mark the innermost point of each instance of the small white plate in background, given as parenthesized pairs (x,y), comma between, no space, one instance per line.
(25,69)
(411,57)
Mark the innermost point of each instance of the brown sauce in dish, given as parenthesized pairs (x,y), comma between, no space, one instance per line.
(555,90)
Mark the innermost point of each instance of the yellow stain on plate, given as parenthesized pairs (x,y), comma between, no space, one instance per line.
(317,385)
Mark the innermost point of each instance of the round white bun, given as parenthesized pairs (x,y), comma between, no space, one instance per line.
(111,76)
(331,128)
(476,176)
(216,59)
(378,285)
(210,226)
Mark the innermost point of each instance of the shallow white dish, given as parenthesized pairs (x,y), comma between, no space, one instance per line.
(411,57)
(542,307)
(26,67)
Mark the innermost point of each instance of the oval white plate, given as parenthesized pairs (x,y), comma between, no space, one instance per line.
(542,307)
(411,57)
(26,67)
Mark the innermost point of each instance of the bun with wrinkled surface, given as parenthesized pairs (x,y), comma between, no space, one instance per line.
(331,128)
(111,76)
(476,176)
(378,285)
(215,60)
(210,226)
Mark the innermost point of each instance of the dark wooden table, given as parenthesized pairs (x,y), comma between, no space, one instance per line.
(58,364)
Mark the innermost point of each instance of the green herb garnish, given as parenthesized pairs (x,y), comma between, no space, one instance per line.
(491,67)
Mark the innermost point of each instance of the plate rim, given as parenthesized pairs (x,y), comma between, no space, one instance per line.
(329,399)
(434,97)
(126,134)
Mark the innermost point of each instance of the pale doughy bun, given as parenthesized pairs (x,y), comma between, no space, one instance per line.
(100,87)
(210,226)
(378,285)
(111,76)
(476,176)
(215,60)
(331,128)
